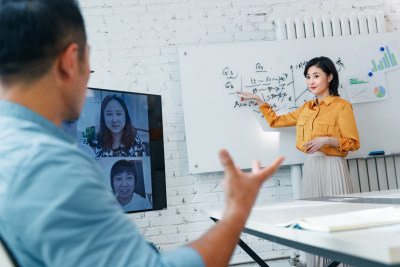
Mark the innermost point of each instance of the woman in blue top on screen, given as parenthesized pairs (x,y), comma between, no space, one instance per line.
(117,137)
(124,180)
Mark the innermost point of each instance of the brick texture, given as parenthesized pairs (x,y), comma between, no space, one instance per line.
(134,48)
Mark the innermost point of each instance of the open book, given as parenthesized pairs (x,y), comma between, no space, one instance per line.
(348,220)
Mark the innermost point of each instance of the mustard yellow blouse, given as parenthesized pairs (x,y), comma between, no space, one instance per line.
(333,117)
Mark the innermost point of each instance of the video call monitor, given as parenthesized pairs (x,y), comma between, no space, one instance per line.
(123,132)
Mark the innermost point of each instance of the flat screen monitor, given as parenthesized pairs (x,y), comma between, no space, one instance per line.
(123,132)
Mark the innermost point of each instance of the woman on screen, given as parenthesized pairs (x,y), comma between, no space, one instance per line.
(117,137)
(124,181)
(326,131)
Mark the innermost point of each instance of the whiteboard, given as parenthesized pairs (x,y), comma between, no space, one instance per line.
(215,118)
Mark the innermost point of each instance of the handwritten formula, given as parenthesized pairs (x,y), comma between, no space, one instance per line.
(283,91)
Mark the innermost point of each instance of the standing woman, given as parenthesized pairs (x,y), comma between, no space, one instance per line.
(117,137)
(326,131)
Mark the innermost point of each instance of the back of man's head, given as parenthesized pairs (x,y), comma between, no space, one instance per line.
(33,33)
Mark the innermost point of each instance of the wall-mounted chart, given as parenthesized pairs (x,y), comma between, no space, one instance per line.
(380,91)
(365,88)
(382,57)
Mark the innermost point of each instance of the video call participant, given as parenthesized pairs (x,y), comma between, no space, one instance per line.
(117,137)
(124,180)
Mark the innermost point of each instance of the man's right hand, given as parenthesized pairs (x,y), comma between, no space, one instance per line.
(241,189)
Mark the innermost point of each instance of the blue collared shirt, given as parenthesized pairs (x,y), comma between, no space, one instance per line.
(55,208)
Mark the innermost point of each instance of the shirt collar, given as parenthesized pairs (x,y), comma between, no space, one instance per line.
(327,100)
(21,112)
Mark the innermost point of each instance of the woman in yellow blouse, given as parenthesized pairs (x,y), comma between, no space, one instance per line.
(326,131)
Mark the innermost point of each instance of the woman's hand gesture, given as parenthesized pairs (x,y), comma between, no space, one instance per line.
(316,144)
(250,96)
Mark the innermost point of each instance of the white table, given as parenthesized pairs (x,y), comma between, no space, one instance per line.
(376,246)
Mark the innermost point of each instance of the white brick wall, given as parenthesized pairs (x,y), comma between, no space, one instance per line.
(134,47)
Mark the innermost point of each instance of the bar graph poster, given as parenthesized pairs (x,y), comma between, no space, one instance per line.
(383,57)
(365,88)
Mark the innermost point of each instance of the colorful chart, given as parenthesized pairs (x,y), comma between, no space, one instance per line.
(357,81)
(388,60)
(380,91)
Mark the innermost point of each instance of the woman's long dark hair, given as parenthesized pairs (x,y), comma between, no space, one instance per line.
(328,67)
(104,137)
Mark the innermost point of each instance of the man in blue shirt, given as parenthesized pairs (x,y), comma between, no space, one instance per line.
(55,209)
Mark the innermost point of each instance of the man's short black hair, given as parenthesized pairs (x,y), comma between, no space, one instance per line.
(33,33)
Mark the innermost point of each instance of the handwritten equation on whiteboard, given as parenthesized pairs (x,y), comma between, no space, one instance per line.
(284,91)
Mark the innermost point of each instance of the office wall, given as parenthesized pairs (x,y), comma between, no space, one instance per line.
(134,47)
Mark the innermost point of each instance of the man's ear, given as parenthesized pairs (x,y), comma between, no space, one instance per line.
(68,63)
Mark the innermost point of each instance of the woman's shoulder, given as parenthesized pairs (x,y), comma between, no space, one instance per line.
(136,137)
(341,101)
(140,201)
(308,103)
(138,198)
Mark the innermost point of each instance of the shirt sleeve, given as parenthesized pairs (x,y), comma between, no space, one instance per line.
(274,120)
(184,256)
(349,140)
(71,219)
